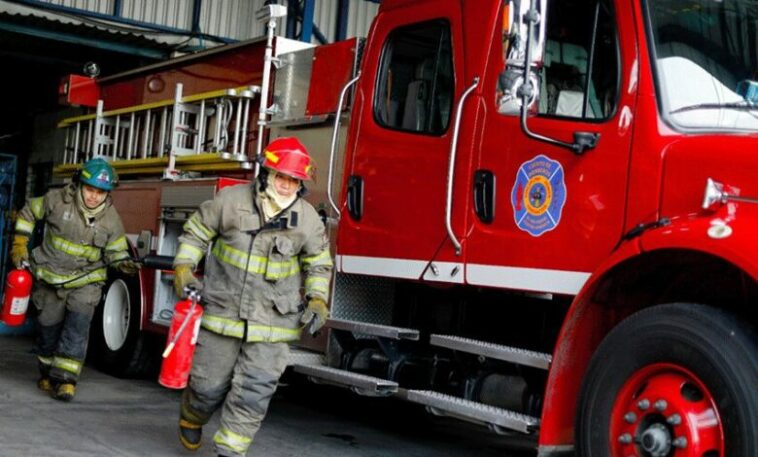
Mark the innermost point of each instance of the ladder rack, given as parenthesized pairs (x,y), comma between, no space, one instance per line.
(205,132)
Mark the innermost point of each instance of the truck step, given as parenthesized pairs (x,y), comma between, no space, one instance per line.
(494,351)
(383,331)
(495,418)
(358,383)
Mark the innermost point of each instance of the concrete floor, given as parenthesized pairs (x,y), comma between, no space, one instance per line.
(131,418)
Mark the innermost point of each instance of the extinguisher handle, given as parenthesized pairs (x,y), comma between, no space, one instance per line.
(26,265)
(193,294)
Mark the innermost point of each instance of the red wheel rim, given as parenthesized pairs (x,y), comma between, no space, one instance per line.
(665,410)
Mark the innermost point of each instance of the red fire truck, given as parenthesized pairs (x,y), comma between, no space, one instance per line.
(541,211)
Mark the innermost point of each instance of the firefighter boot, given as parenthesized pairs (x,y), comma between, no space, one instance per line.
(44,384)
(47,338)
(190,434)
(65,391)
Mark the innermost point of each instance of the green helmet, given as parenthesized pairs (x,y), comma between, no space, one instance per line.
(98,173)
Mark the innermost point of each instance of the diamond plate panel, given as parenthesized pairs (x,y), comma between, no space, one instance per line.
(302,357)
(363,299)
(467,409)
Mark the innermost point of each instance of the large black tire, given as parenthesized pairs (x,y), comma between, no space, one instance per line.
(699,360)
(117,346)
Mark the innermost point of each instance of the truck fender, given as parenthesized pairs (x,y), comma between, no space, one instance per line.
(581,333)
(728,233)
(723,239)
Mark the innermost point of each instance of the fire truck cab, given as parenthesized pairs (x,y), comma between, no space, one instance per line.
(540,222)
(540,211)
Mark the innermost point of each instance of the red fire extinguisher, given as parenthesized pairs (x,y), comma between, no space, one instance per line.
(182,337)
(18,288)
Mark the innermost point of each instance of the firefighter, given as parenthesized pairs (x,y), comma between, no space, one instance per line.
(267,244)
(83,234)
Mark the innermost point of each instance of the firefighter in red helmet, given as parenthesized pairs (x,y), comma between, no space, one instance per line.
(83,235)
(266,245)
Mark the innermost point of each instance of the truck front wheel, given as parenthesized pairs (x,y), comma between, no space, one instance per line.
(117,346)
(675,379)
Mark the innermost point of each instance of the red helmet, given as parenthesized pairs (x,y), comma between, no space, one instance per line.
(288,156)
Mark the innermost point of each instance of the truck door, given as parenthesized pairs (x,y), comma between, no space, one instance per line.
(394,220)
(546,216)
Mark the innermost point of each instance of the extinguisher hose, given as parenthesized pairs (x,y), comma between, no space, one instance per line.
(194,297)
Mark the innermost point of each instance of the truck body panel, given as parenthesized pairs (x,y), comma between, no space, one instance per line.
(492,236)
(402,214)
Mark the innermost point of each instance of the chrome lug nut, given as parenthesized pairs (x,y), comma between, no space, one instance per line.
(674,419)
(680,443)
(626,438)
(660,405)
(643,404)
(630,417)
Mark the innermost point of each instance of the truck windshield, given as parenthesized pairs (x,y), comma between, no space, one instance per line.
(705,55)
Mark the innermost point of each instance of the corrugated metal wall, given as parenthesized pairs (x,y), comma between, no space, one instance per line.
(231,18)
(360,15)
(227,18)
(105,7)
(170,13)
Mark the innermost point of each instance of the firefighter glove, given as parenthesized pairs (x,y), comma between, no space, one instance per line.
(184,278)
(315,314)
(128,267)
(20,251)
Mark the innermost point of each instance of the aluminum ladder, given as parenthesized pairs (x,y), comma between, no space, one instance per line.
(201,132)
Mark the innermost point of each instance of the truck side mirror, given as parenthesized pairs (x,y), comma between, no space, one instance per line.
(524,59)
(522,40)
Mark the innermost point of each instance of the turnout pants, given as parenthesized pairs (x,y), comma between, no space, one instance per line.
(64,322)
(243,376)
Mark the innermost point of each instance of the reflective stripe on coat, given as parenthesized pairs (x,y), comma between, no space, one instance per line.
(254,278)
(71,246)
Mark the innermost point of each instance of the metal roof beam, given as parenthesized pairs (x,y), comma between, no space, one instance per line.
(307,30)
(83,40)
(343,8)
(293,14)
(118,19)
(303,16)
(196,9)
(118,7)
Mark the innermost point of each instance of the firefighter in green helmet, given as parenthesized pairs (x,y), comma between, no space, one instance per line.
(83,235)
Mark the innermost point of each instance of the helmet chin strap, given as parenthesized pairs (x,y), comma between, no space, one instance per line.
(85,210)
(273,202)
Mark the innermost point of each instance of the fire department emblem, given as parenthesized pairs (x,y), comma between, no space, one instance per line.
(103,177)
(538,195)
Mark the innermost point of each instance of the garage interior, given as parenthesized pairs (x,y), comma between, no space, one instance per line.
(43,41)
